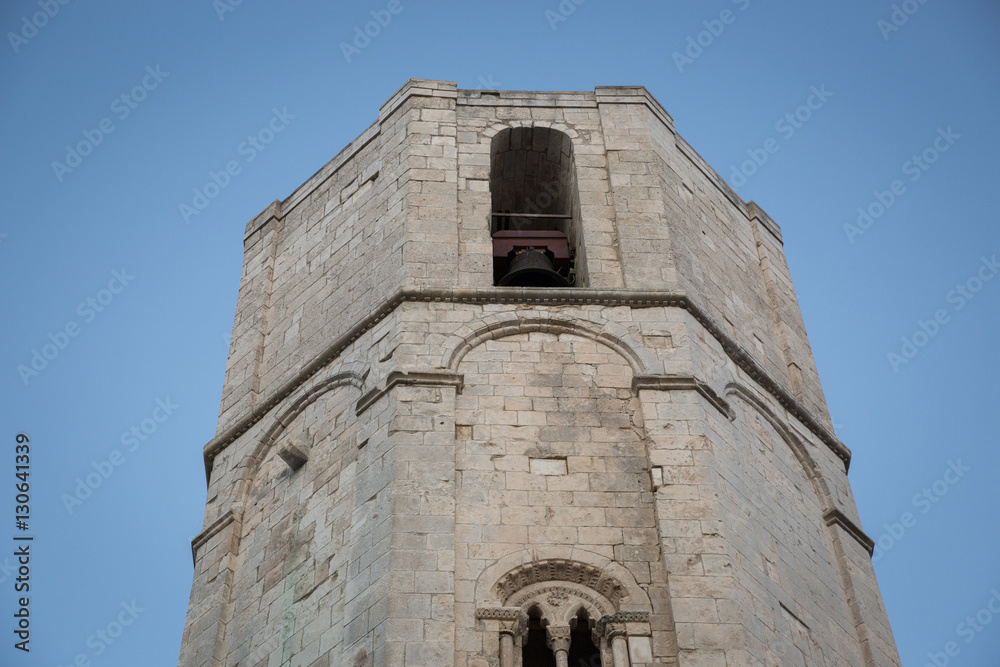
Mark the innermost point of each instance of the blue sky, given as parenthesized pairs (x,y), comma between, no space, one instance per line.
(136,300)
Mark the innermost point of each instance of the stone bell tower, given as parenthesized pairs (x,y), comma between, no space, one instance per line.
(516,380)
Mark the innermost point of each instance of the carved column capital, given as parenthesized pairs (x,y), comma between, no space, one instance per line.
(513,620)
(612,630)
(610,626)
(558,638)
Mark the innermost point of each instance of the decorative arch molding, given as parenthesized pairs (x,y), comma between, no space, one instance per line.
(352,375)
(523,582)
(561,601)
(501,581)
(832,517)
(501,325)
(798,448)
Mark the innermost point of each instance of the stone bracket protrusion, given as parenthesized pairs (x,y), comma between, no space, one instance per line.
(294,453)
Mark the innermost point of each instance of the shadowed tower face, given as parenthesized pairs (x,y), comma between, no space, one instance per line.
(517,380)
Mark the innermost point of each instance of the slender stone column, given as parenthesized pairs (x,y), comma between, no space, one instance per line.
(559,643)
(512,625)
(613,630)
(506,649)
(619,650)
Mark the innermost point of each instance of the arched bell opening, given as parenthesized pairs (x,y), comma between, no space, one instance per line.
(536,651)
(534,219)
(582,649)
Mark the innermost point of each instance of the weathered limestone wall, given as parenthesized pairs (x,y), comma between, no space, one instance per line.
(296,542)
(550,456)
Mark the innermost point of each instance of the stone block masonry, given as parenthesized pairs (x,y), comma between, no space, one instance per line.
(414,466)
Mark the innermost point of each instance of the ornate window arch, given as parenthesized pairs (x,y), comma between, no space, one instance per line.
(543,606)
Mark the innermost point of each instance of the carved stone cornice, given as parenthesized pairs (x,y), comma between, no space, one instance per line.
(836,517)
(513,620)
(629,617)
(613,625)
(412,379)
(682,383)
(499,613)
(229,517)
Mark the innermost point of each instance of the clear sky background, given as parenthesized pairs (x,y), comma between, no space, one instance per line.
(157,331)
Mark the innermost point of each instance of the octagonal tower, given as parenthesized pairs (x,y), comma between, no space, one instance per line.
(516,379)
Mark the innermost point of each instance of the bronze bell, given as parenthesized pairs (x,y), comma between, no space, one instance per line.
(532,268)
